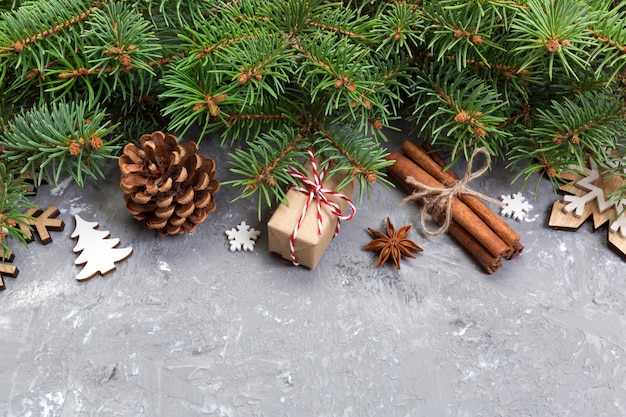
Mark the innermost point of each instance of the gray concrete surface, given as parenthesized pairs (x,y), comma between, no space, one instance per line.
(186,328)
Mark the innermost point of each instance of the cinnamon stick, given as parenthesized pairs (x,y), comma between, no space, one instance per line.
(435,156)
(489,262)
(449,178)
(517,249)
(461,213)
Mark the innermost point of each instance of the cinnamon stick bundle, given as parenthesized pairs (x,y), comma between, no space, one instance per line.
(467,227)
(433,163)
(461,214)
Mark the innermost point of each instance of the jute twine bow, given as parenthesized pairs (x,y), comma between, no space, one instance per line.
(438,200)
(313,189)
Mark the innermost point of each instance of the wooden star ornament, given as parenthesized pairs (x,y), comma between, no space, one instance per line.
(392,245)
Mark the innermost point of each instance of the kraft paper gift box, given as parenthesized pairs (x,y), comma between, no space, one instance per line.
(309,245)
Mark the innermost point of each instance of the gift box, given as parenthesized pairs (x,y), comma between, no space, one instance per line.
(309,246)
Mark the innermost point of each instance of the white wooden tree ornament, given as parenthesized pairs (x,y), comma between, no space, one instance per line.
(98,252)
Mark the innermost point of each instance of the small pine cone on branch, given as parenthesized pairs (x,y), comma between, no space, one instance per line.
(166,185)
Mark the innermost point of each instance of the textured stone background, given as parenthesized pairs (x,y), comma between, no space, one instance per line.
(186,328)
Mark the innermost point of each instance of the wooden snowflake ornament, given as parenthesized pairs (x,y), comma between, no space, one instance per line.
(242,238)
(44,220)
(588,196)
(98,252)
(6,269)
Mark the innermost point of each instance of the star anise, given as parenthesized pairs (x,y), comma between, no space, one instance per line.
(392,245)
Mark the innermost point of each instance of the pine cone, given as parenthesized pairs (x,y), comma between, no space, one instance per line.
(166,185)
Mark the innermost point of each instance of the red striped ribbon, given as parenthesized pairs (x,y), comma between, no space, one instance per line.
(312,188)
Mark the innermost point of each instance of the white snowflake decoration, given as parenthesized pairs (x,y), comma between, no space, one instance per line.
(242,238)
(515,206)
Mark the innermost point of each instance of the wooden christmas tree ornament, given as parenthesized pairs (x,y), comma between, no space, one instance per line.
(98,252)
(5,268)
(587,195)
(44,220)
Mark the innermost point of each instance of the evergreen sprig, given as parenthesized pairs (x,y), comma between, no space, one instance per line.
(538,69)
(305,67)
(569,130)
(60,138)
(275,76)
(13,200)
(549,30)
(609,30)
(265,163)
(461,114)
(27,33)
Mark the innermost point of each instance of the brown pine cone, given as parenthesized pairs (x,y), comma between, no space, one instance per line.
(166,185)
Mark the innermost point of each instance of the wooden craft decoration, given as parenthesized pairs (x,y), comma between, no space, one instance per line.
(98,252)
(5,268)
(243,237)
(474,225)
(43,222)
(30,181)
(587,195)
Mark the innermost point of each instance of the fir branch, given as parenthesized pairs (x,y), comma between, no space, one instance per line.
(263,167)
(562,135)
(507,70)
(256,69)
(591,122)
(28,33)
(459,31)
(68,138)
(337,30)
(337,68)
(195,97)
(248,126)
(400,29)
(13,202)
(45,19)
(120,38)
(116,48)
(503,72)
(550,32)
(229,27)
(611,32)
(462,113)
(349,23)
(356,156)
(204,51)
(178,13)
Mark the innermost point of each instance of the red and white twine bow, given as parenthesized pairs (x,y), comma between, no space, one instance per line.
(312,188)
